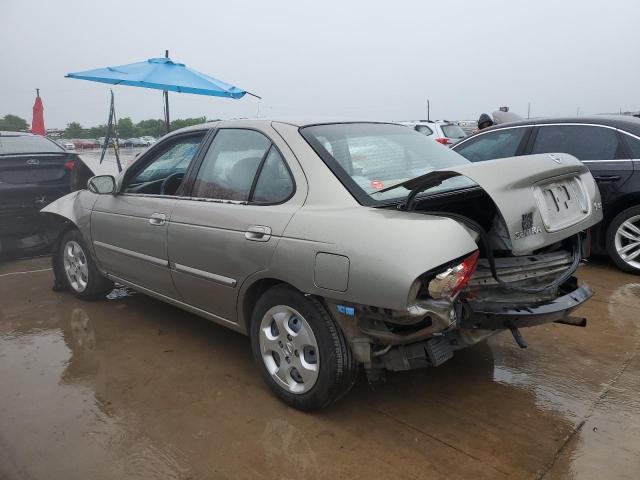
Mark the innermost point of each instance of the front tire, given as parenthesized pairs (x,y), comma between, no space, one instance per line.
(79,272)
(623,240)
(302,354)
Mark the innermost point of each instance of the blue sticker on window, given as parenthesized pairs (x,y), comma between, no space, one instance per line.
(346,310)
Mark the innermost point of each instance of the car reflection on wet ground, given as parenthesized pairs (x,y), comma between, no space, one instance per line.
(130,387)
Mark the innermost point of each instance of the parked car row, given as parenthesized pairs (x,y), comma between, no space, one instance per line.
(82,144)
(337,245)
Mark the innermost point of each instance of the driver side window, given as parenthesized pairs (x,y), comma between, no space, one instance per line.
(163,174)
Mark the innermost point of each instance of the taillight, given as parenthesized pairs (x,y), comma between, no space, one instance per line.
(447,284)
(70,164)
(443,141)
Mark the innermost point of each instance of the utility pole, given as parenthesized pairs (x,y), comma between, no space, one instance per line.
(528,110)
(578,112)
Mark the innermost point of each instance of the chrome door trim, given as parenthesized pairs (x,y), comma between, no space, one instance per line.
(222,280)
(620,160)
(178,303)
(140,256)
(533,125)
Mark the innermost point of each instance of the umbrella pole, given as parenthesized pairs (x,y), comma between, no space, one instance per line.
(167,122)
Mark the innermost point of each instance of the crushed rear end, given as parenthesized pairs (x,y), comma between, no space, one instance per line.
(530,218)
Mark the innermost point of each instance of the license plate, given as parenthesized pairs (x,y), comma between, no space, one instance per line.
(562,203)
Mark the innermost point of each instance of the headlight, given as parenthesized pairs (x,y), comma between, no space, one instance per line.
(448,283)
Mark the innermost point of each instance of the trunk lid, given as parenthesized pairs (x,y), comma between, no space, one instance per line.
(543,198)
(33,168)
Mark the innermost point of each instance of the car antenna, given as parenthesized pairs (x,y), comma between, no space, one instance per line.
(428,107)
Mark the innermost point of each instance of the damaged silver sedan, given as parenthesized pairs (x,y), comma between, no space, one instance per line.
(335,245)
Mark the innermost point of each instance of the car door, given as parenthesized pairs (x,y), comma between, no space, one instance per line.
(498,143)
(597,146)
(242,197)
(129,229)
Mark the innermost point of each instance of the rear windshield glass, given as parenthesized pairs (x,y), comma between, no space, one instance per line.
(368,157)
(453,131)
(27,144)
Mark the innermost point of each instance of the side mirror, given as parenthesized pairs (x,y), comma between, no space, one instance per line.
(102,184)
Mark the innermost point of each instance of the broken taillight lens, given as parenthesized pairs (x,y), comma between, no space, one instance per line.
(448,283)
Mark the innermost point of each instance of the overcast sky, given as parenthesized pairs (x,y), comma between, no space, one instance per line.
(357,59)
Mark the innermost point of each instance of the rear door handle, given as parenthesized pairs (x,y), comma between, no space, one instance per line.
(258,233)
(157,219)
(607,178)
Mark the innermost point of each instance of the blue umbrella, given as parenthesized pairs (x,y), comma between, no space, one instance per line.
(162,74)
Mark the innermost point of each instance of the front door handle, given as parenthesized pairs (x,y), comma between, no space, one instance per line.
(607,178)
(157,219)
(258,233)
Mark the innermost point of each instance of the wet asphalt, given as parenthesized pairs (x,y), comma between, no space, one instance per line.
(129,387)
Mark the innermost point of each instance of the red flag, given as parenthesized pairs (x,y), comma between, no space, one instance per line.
(37,124)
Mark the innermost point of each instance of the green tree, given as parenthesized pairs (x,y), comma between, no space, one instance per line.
(186,122)
(97,132)
(126,128)
(74,130)
(13,123)
(151,127)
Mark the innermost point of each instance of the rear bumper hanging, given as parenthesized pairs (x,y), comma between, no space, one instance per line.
(497,315)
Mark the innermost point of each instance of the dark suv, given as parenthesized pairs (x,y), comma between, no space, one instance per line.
(608,145)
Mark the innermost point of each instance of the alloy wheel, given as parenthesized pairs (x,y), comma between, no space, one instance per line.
(75,266)
(627,241)
(289,349)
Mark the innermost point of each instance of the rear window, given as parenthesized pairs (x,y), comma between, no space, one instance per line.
(369,157)
(585,142)
(453,131)
(17,144)
(634,145)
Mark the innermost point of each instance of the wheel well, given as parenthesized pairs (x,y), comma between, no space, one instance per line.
(61,225)
(251,296)
(621,204)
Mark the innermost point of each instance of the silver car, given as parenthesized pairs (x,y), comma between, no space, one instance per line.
(335,245)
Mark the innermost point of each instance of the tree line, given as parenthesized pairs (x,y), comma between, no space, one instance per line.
(125,126)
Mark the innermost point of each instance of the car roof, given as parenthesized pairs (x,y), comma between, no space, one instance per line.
(427,122)
(623,122)
(304,122)
(4,133)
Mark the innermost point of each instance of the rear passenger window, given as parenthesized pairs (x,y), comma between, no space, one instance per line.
(582,141)
(274,184)
(634,145)
(230,165)
(492,145)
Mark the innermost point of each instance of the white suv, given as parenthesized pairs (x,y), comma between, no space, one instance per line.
(442,131)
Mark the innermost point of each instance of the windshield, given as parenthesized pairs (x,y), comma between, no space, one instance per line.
(453,131)
(15,144)
(368,157)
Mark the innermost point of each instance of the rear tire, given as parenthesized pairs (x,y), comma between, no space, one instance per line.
(302,354)
(78,270)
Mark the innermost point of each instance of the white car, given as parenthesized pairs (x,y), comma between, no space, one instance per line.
(442,131)
(148,140)
(67,144)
